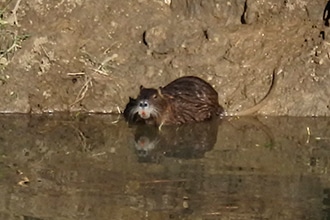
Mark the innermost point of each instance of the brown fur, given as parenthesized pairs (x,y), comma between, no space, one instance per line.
(185,100)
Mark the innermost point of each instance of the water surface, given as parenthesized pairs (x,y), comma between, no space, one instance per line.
(98,167)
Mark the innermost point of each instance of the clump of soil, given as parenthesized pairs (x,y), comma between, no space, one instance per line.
(91,55)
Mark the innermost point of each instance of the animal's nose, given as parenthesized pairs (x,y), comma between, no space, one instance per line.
(143,104)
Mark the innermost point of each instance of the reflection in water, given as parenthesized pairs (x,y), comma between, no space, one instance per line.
(193,140)
(186,141)
(89,167)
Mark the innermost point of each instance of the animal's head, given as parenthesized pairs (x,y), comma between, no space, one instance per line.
(149,102)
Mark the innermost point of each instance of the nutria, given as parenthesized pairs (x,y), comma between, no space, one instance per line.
(184,100)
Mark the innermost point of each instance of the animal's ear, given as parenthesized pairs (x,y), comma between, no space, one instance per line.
(161,94)
(141,87)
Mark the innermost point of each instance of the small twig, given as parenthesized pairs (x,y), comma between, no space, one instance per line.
(108,59)
(115,122)
(12,47)
(119,111)
(308,135)
(168,2)
(100,68)
(3,22)
(83,139)
(164,181)
(76,74)
(98,154)
(14,13)
(220,213)
(100,72)
(47,54)
(322,138)
(83,91)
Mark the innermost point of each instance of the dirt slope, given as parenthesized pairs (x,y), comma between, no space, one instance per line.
(91,55)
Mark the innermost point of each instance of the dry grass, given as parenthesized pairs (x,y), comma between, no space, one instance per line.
(82,92)
(10,37)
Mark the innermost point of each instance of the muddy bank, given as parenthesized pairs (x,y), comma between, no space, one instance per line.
(91,55)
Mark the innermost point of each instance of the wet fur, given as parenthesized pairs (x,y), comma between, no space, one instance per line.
(185,100)
(191,99)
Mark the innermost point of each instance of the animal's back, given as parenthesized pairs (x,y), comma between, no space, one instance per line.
(192,99)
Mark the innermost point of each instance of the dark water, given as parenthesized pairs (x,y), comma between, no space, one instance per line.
(98,167)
